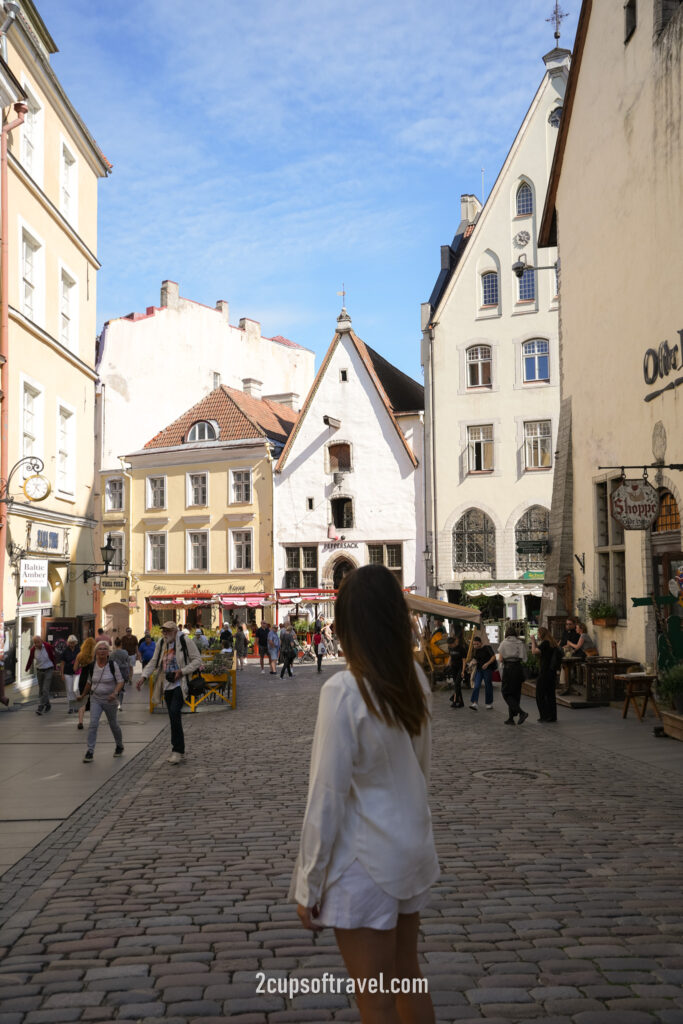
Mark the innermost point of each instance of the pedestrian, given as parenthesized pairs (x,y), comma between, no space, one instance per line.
(121,658)
(67,668)
(327,637)
(273,649)
(319,648)
(545,647)
(42,656)
(105,685)
(241,646)
(146,648)
(201,641)
(101,635)
(288,651)
(485,660)
(129,642)
(176,657)
(458,653)
(367,857)
(86,657)
(262,642)
(226,638)
(512,654)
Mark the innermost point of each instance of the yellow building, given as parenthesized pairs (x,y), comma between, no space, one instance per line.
(191,517)
(50,266)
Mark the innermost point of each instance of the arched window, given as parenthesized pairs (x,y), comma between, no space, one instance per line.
(202,431)
(479,366)
(535,360)
(669,517)
(489,288)
(531,539)
(474,542)
(525,200)
(527,285)
(339,456)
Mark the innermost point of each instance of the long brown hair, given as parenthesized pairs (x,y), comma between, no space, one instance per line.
(545,634)
(87,652)
(373,624)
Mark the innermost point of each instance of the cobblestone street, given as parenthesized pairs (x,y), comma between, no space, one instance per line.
(560,897)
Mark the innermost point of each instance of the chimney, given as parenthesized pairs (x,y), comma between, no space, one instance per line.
(252,327)
(170,294)
(469,208)
(223,307)
(251,386)
(288,398)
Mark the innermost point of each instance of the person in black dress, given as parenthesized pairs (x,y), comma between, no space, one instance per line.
(544,645)
(458,653)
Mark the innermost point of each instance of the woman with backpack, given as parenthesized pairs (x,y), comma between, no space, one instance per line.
(550,653)
(104,684)
(176,659)
(287,650)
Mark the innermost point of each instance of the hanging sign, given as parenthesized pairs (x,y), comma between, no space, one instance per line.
(634,504)
(33,572)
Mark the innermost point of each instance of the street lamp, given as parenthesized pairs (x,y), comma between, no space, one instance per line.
(107,551)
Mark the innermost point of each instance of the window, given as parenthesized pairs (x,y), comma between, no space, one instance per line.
(535,360)
(29,274)
(531,539)
(390,555)
(156,552)
(116,541)
(669,517)
(537,442)
(65,450)
(342,513)
(66,309)
(489,289)
(480,449)
(156,492)
(339,456)
(32,137)
(301,567)
(479,366)
(197,489)
(241,486)
(527,285)
(69,197)
(474,542)
(31,421)
(241,549)
(343,376)
(197,550)
(630,19)
(525,200)
(202,431)
(309,504)
(113,495)
(216,380)
(609,549)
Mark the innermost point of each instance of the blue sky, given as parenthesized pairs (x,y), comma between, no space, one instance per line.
(265,152)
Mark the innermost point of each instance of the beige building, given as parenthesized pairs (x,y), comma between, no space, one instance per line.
(615,209)
(192,516)
(52,172)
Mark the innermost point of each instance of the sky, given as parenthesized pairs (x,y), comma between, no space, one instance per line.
(269,153)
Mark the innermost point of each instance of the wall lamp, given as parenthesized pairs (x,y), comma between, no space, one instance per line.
(107,551)
(520,265)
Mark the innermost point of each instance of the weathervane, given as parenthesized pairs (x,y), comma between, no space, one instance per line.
(343,295)
(557,16)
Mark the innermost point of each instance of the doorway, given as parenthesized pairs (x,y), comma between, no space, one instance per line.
(340,570)
(115,619)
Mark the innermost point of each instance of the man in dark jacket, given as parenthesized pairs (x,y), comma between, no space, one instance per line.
(44,660)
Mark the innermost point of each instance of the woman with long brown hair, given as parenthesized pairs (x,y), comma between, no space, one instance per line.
(367,857)
(85,659)
(545,645)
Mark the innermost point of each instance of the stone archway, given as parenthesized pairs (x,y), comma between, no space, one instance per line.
(116,618)
(339,571)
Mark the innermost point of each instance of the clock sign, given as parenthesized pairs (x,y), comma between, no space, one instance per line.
(37,487)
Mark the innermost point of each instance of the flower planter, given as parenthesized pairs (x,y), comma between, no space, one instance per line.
(672,723)
(609,622)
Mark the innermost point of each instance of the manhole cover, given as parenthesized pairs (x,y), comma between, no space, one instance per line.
(502,774)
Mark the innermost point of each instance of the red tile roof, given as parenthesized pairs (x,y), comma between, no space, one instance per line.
(239,416)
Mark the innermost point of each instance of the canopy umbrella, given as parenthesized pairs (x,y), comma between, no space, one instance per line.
(441,609)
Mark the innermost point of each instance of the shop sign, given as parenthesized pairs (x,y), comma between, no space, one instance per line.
(533,575)
(33,572)
(659,362)
(48,540)
(113,583)
(339,544)
(532,547)
(634,504)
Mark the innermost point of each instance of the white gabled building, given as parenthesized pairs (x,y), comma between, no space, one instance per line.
(348,484)
(491,359)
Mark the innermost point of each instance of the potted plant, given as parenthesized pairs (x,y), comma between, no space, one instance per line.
(602,613)
(670,696)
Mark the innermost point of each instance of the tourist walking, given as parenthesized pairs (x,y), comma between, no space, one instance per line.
(485,660)
(200,639)
(241,646)
(288,651)
(86,657)
(367,857)
(458,653)
(319,648)
(512,654)
(262,643)
(67,668)
(44,660)
(104,685)
(175,658)
(146,649)
(273,649)
(545,647)
(129,643)
(119,655)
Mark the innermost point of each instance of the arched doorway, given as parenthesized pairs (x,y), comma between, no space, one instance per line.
(341,567)
(115,619)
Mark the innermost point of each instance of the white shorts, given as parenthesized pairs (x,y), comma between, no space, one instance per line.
(356,901)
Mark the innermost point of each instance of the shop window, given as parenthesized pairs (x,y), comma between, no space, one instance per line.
(474,543)
(342,513)
(525,200)
(609,549)
(301,567)
(489,289)
(480,449)
(669,517)
(479,366)
(533,528)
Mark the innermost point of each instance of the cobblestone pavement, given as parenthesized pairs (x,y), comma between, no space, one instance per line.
(560,897)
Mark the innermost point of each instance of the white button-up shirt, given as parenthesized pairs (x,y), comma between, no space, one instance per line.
(367,799)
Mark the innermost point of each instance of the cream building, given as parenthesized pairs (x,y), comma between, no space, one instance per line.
(193,516)
(615,208)
(491,363)
(53,169)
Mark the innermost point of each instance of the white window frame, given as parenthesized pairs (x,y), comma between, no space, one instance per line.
(535,355)
(490,305)
(524,185)
(472,443)
(36,119)
(233,550)
(108,507)
(66,276)
(117,535)
(69,481)
(188,489)
(536,440)
(479,362)
(37,244)
(232,499)
(216,379)
(529,275)
(149,506)
(27,383)
(68,182)
(189,534)
(196,429)
(148,550)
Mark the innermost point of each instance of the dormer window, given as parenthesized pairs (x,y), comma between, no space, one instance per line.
(203,430)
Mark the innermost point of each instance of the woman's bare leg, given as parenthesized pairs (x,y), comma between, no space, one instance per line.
(369,953)
(414,1007)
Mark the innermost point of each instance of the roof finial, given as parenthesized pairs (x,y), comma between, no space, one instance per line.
(343,295)
(557,16)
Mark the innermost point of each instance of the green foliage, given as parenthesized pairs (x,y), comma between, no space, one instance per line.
(598,609)
(533,666)
(670,683)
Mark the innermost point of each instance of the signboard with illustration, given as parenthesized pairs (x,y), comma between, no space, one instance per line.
(634,504)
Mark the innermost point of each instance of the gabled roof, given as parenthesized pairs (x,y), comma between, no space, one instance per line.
(239,416)
(396,383)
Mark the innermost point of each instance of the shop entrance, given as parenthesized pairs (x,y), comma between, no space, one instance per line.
(340,570)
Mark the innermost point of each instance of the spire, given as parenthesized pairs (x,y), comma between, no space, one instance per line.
(557,16)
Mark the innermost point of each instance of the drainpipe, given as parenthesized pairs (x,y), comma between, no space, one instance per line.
(21,109)
(128,532)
